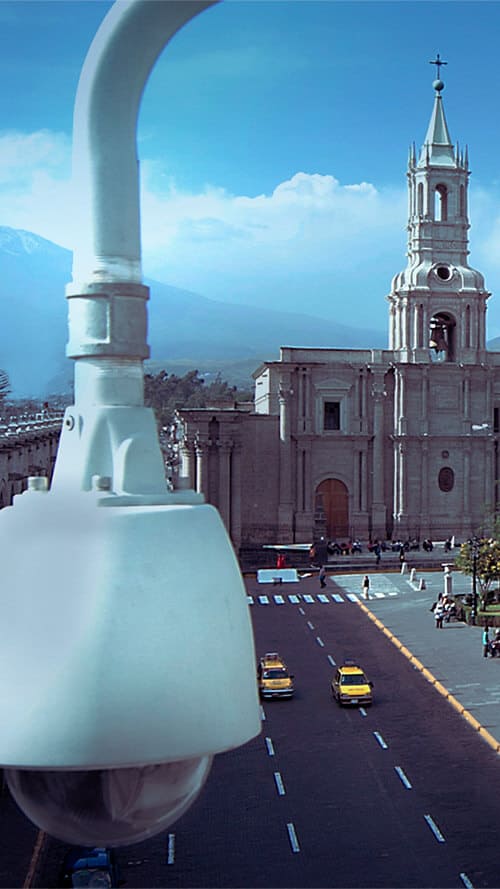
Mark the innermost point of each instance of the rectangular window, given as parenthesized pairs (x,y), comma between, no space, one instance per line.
(331,416)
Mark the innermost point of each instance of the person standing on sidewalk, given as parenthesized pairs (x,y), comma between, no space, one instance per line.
(322,577)
(486,641)
(366,587)
(439,615)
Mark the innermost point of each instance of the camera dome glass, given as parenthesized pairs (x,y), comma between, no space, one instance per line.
(108,807)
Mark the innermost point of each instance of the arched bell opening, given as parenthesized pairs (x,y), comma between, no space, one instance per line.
(442,337)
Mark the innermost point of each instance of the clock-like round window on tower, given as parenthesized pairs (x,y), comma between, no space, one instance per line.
(444,272)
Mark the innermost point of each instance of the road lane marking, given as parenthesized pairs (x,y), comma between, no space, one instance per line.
(171,849)
(280,787)
(263,600)
(402,776)
(337,597)
(279,600)
(363,711)
(262,713)
(301,610)
(292,836)
(320,641)
(352,597)
(323,598)
(309,599)
(465,880)
(250,600)
(293,599)
(270,748)
(380,739)
(310,625)
(331,661)
(435,829)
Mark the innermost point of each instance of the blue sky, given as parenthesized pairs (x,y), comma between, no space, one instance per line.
(273,140)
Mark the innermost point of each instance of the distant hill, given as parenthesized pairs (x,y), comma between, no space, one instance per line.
(186,330)
(494,344)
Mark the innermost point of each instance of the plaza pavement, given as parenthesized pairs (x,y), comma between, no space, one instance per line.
(451,658)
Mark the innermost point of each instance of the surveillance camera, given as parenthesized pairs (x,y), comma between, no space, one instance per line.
(108,807)
(126,667)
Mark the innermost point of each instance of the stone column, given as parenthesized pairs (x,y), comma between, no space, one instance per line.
(424,487)
(235,530)
(378,476)
(285,509)
(304,498)
(201,450)
(466,516)
(224,452)
(186,451)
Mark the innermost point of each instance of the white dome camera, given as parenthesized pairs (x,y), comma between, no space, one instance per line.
(129,660)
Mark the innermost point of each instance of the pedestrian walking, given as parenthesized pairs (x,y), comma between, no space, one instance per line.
(439,613)
(322,577)
(366,587)
(486,641)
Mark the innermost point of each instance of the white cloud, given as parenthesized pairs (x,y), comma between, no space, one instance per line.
(312,245)
(269,249)
(35,185)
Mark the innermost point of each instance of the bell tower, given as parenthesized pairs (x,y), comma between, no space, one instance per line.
(438,303)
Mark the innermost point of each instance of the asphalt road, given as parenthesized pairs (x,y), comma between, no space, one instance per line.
(405,794)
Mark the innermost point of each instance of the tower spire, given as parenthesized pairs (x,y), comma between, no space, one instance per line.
(438,148)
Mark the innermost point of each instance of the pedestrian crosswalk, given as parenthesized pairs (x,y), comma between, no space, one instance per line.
(381,588)
(297,599)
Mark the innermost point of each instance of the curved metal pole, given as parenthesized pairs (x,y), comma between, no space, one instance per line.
(107,301)
(115,71)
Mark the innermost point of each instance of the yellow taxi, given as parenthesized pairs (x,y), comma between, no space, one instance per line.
(350,685)
(273,678)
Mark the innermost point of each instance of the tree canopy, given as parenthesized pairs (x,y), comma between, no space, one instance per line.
(167,392)
(487,560)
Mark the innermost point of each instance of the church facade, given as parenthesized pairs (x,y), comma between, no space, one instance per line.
(372,444)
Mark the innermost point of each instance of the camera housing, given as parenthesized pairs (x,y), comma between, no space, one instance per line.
(129,657)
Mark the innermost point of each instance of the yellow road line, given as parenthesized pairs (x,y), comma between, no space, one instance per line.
(485,734)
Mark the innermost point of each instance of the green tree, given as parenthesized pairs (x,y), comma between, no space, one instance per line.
(166,393)
(487,562)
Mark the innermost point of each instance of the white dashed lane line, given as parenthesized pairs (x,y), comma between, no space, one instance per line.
(320,641)
(292,836)
(403,778)
(270,748)
(378,737)
(435,829)
(331,661)
(280,787)
(171,848)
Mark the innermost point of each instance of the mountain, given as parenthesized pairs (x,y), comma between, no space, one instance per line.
(186,330)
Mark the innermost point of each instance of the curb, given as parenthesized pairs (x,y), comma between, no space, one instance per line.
(440,688)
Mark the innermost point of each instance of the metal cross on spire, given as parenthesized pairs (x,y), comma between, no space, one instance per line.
(437,62)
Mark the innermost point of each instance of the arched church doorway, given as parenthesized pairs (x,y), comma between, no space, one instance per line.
(335,497)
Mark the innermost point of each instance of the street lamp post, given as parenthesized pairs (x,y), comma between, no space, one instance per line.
(474,546)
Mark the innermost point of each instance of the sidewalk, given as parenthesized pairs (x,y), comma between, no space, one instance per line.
(453,655)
